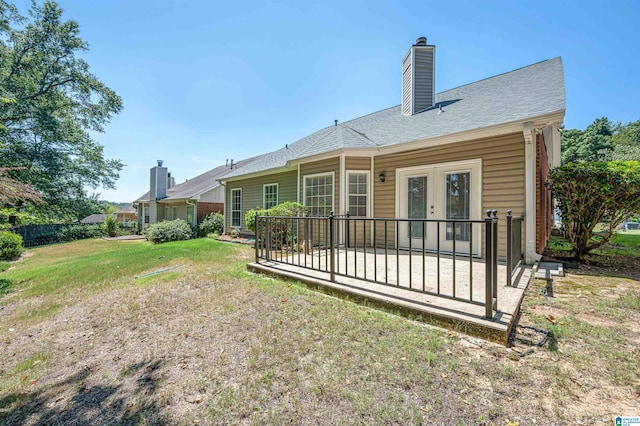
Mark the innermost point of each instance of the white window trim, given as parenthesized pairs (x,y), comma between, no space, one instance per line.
(231,208)
(264,194)
(348,194)
(333,187)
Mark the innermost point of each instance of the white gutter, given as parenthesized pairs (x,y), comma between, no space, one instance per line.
(530,255)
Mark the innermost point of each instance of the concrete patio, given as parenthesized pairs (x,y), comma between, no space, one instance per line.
(409,282)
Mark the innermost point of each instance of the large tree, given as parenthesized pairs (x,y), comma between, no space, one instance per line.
(591,144)
(626,142)
(49,103)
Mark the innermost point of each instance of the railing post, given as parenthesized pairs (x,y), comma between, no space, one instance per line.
(509,248)
(331,247)
(494,275)
(488,253)
(348,233)
(267,236)
(257,259)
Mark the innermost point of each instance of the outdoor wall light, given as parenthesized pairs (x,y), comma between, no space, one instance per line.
(382,177)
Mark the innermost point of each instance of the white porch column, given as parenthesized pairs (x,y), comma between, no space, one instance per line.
(530,255)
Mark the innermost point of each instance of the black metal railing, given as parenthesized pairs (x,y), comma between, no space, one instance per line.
(514,245)
(438,257)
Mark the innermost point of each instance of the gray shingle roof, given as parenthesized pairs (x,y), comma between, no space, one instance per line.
(524,93)
(199,184)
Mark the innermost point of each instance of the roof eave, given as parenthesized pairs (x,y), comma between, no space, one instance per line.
(514,126)
(285,168)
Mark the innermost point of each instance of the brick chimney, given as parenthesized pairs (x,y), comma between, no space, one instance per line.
(419,77)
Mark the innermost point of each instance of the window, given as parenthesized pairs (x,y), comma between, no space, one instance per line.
(174,215)
(190,215)
(236,207)
(270,195)
(318,194)
(458,203)
(357,193)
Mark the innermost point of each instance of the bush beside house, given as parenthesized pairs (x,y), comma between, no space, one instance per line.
(169,230)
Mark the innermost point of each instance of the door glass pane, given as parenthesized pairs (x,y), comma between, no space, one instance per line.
(416,203)
(458,202)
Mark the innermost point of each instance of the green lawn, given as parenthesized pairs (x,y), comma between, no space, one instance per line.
(86,342)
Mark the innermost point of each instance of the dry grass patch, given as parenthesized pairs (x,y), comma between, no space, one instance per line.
(208,342)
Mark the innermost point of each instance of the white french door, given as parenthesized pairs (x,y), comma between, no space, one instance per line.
(441,191)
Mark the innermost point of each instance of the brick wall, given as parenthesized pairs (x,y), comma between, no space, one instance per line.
(544,204)
(206,208)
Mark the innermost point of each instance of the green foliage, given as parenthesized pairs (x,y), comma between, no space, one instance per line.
(626,142)
(50,104)
(10,245)
(591,144)
(22,217)
(592,193)
(212,223)
(288,209)
(250,217)
(81,232)
(602,141)
(281,228)
(111,224)
(4,266)
(169,230)
(235,233)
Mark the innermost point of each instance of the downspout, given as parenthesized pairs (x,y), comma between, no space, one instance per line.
(195,211)
(530,254)
(224,211)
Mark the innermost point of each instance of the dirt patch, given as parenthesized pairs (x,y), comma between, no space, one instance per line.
(215,345)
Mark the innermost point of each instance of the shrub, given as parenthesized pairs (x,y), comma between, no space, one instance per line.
(590,193)
(169,230)
(10,245)
(250,218)
(235,233)
(212,223)
(111,225)
(81,232)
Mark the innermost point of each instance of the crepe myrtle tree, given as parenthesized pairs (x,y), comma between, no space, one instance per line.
(592,193)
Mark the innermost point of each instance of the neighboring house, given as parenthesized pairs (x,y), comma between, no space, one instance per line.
(94,218)
(191,200)
(485,145)
(127,214)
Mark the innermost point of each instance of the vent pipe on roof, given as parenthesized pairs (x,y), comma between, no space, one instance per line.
(160,163)
(231,164)
(418,77)
(335,122)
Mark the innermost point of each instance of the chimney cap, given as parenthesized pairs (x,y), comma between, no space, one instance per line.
(160,163)
(421,41)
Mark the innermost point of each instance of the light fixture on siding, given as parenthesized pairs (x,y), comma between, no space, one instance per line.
(382,177)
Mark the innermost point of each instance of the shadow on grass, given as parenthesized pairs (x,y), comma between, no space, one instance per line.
(5,286)
(99,404)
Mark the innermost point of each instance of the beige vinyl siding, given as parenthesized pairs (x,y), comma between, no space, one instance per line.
(215,195)
(319,167)
(357,163)
(503,175)
(252,193)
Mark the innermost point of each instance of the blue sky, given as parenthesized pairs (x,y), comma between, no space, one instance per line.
(203,81)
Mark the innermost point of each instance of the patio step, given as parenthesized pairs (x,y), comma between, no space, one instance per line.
(446,313)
